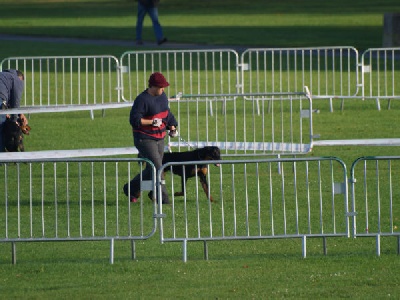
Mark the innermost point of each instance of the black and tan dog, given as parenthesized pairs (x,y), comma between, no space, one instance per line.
(200,154)
(14,135)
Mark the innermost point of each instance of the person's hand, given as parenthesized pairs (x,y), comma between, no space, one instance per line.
(173,133)
(157,122)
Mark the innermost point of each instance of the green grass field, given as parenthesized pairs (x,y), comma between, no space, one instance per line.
(235,269)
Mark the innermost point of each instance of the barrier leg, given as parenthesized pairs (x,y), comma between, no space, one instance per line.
(205,246)
(184,250)
(13,253)
(111,251)
(378,104)
(133,248)
(304,246)
(398,245)
(378,245)
(342,105)
(324,245)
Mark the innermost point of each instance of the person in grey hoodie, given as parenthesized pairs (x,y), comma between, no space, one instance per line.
(11,89)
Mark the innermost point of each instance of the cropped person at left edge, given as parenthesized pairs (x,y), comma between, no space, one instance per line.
(11,89)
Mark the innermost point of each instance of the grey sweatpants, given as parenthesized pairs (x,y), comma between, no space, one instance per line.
(153,150)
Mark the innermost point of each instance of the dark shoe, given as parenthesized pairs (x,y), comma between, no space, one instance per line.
(160,42)
(139,42)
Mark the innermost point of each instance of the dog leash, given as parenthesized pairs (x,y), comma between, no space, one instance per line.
(181,139)
(186,142)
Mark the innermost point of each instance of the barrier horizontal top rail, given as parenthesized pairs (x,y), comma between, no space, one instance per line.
(359,142)
(60,154)
(282,148)
(63,108)
(245,94)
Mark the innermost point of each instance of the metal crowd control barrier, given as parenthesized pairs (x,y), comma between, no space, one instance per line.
(375,201)
(329,72)
(380,74)
(188,71)
(67,83)
(51,200)
(81,199)
(281,126)
(307,199)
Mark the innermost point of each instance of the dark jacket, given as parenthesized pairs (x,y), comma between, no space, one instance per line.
(149,3)
(11,89)
(150,107)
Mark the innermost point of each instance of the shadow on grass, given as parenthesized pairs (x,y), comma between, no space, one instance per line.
(311,36)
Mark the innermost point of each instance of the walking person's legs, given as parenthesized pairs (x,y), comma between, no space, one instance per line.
(139,22)
(153,13)
(153,151)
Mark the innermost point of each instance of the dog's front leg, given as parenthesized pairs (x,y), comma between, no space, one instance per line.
(204,184)
(183,184)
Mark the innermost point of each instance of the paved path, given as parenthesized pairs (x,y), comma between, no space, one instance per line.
(66,40)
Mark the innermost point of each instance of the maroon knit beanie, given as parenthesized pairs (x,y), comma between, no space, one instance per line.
(157,79)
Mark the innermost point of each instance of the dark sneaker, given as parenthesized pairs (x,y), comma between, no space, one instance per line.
(160,42)
(139,42)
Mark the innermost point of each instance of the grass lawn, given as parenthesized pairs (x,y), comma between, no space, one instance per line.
(235,269)
(264,23)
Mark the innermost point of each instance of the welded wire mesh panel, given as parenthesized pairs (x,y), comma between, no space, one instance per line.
(72,200)
(255,199)
(187,71)
(67,80)
(327,71)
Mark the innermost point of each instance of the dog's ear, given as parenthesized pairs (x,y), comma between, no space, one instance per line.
(216,153)
(26,129)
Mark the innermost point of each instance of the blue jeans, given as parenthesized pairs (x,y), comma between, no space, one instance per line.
(153,13)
